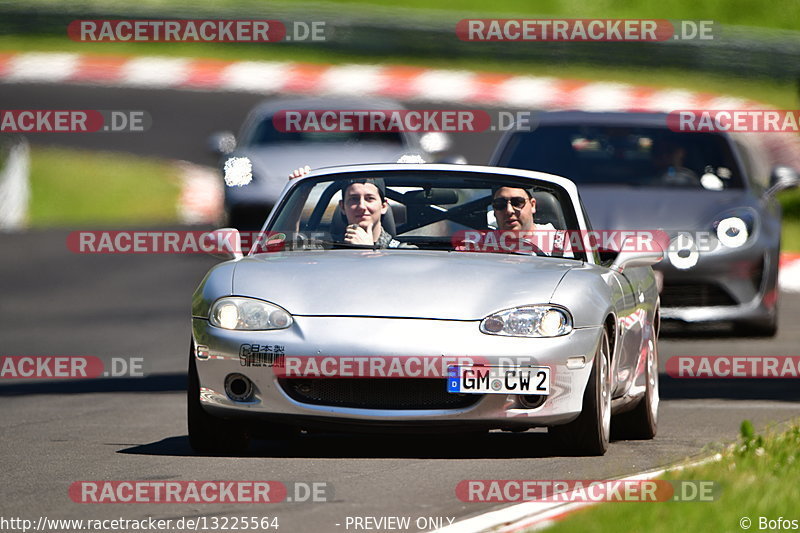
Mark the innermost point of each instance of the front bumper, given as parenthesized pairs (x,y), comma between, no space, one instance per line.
(724,285)
(340,337)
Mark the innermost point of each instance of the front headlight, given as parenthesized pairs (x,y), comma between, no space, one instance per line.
(732,232)
(248,314)
(528,321)
(735,227)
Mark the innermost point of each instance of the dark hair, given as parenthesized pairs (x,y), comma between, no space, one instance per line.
(510,186)
(377,182)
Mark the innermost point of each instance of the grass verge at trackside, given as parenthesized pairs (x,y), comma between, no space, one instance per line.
(758,478)
(776,14)
(790,200)
(79,188)
(790,241)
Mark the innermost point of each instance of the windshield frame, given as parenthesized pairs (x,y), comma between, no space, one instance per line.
(566,190)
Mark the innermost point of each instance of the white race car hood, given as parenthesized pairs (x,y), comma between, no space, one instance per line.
(398,283)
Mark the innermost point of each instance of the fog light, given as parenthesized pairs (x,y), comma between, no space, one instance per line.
(238,388)
(531,401)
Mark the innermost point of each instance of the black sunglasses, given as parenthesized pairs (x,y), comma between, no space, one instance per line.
(517,202)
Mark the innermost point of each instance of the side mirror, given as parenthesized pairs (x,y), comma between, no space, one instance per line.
(782,178)
(435,142)
(222,142)
(224,243)
(631,257)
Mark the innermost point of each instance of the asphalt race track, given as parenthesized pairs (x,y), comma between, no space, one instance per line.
(54,302)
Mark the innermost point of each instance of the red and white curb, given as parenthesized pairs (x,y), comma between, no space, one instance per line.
(534,516)
(402,82)
(789,272)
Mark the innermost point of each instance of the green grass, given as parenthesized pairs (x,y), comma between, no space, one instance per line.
(776,14)
(790,201)
(790,240)
(758,478)
(76,187)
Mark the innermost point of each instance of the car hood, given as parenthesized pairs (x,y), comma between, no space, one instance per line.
(619,207)
(399,283)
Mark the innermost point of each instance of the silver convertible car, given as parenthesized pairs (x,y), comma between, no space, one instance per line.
(424,330)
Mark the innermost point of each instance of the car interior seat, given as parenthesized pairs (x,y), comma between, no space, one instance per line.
(548,210)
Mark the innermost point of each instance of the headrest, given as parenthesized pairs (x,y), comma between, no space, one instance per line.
(548,210)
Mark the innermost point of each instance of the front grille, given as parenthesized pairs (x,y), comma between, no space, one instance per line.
(694,295)
(381,393)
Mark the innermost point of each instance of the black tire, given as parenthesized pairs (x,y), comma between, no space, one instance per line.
(641,423)
(209,434)
(590,433)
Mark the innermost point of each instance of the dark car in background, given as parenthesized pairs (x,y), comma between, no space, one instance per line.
(712,192)
(274,153)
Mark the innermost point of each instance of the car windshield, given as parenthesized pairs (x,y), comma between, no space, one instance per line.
(631,156)
(265,133)
(427,210)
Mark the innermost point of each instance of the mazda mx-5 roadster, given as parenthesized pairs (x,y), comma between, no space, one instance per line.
(443,323)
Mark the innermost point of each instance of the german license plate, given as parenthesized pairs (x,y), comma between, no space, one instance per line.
(477,379)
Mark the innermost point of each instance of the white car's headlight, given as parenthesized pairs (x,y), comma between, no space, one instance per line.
(248,314)
(528,321)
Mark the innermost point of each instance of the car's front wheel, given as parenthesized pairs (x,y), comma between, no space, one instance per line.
(642,422)
(209,434)
(589,434)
